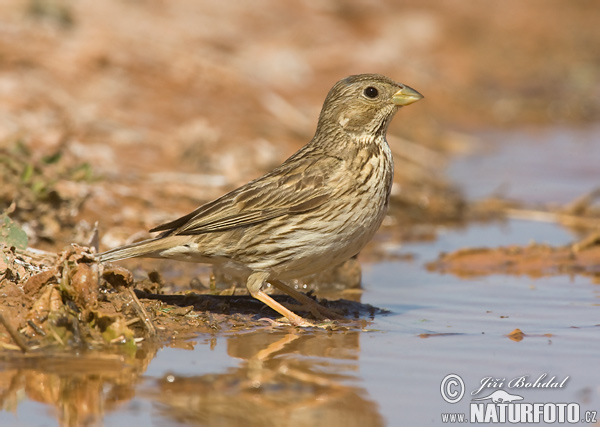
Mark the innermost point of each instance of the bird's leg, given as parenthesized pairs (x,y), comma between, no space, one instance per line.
(254,285)
(314,307)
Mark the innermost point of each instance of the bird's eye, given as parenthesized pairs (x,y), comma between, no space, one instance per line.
(371,92)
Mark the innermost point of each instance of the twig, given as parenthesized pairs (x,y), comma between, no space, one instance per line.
(543,216)
(588,242)
(55,335)
(14,334)
(95,239)
(132,321)
(142,313)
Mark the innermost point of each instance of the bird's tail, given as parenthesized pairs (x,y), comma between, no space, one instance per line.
(146,248)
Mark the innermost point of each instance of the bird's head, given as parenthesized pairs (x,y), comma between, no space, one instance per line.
(363,105)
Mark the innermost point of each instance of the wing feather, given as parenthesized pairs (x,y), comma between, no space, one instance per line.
(300,184)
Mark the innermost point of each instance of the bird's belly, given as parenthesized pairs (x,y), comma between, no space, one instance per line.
(310,263)
(313,251)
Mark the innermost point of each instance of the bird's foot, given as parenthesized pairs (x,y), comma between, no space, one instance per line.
(307,303)
(298,322)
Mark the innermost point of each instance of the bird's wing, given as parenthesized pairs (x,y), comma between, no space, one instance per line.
(301,184)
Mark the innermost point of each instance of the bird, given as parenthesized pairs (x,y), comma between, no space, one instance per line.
(317,209)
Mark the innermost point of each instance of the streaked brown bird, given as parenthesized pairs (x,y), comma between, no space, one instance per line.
(316,210)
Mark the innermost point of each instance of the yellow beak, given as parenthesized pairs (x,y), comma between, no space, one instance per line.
(406,96)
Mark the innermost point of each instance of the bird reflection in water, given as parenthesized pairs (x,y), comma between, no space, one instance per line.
(285,379)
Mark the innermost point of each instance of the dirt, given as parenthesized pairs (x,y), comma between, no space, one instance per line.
(174,117)
(69,301)
(534,260)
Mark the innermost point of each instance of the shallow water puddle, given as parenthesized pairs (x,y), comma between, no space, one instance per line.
(390,373)
(553,165)
(405,364)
